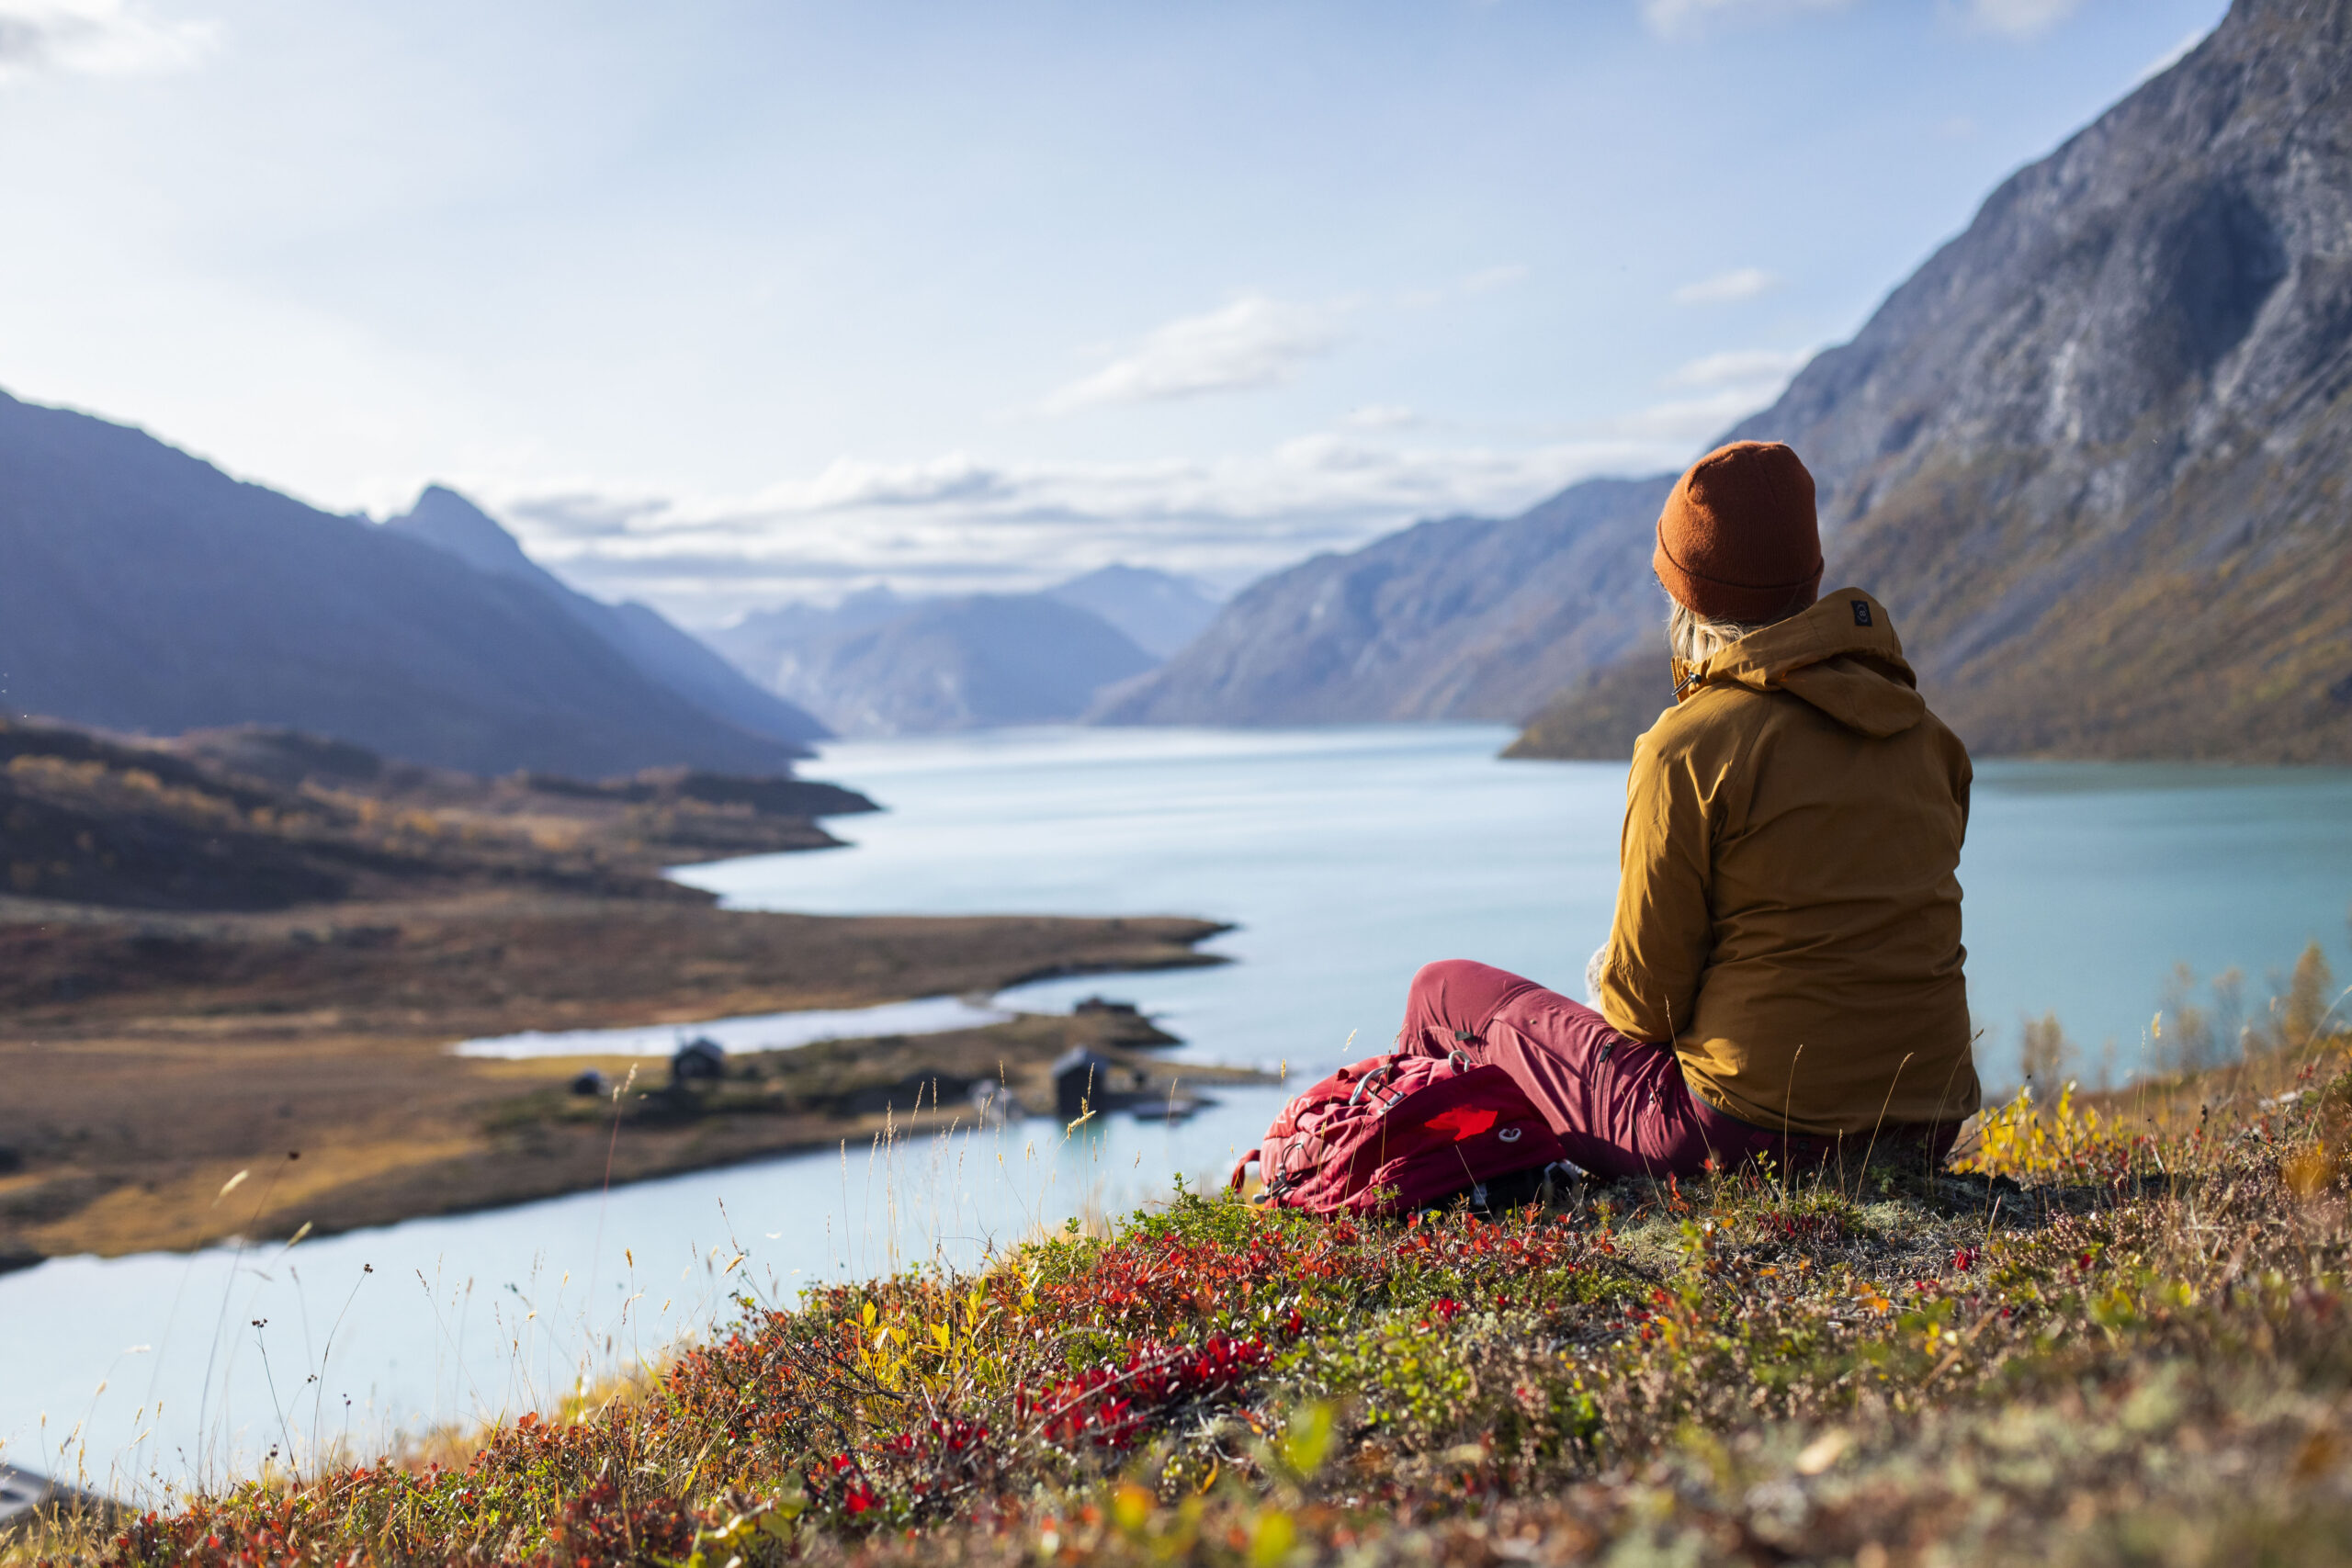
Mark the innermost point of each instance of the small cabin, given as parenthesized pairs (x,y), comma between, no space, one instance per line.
(1080,1078)
(1103,1007)
(26,1498)
(701,1060)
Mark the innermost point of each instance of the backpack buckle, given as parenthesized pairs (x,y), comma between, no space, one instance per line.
(1287,1177)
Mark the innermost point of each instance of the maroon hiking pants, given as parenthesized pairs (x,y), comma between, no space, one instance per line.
(1619,1104)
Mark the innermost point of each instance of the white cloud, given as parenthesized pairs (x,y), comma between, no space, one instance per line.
(1253,341)
(2020,18)
(955,524)
(1683,422)
(1383,416)
(1745,366)
(1677,20)
(102,38)
(846,483)
(1727,287)
(1726,387)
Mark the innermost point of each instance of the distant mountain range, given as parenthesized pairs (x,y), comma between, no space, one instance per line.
(2092,455)
(145,590)
(1466,617)
(1157,611)
(880,664)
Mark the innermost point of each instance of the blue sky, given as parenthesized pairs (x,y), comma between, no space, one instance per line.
(720,304)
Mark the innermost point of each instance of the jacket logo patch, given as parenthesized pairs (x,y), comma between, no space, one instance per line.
(1861,610)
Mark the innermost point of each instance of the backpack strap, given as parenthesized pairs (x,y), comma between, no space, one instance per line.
(1242,1171)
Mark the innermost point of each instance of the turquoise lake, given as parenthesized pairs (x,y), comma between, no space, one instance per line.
(1349,856)
(1344,857)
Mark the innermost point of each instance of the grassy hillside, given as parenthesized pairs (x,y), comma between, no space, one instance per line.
(2116,1335)
(1600,716)
(267,818)
(214,948)
(2169,643)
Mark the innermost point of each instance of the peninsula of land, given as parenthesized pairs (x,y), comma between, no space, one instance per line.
(252,952)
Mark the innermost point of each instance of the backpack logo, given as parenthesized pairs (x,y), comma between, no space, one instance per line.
(1862,612)
(1396,1133)
(1464,1122)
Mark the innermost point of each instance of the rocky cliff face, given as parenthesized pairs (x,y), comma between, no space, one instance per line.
(2094,452)
(2093,455)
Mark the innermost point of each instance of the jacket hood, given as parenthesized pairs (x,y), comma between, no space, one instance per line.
(1842,655)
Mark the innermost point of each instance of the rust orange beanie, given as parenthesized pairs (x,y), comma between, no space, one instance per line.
(1738,539)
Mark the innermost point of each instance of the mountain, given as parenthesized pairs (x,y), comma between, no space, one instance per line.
(142,590)
(1159,611)
(758,643)
(2090,454)
(1460,618)
(2093,452)
(448,521)
(1597,716)
(879,666)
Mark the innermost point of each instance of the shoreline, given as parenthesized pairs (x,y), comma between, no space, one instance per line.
(150,1059)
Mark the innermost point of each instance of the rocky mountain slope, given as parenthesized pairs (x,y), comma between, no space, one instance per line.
(1460,618)
(2092,454)
(142,590)
(446,520)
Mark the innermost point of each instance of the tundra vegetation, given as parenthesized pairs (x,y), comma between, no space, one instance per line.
(220,951)
(2114,1332)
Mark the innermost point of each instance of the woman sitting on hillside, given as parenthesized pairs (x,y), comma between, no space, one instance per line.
(1785,971)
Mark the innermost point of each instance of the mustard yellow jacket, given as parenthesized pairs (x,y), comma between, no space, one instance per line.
(1788,910)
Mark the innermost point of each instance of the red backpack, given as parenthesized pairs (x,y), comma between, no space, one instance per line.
(1395,1133)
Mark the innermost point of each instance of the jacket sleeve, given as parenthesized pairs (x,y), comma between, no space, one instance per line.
(1664,929)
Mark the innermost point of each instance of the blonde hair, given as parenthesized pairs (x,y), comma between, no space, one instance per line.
(1694,636)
